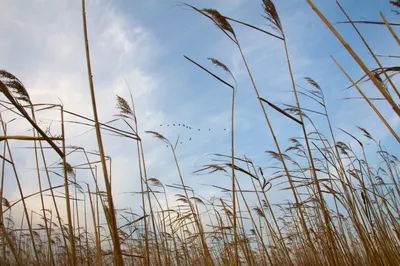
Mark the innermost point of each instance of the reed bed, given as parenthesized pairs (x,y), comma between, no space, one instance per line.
(344,207)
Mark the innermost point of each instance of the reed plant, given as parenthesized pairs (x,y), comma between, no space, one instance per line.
(343,206)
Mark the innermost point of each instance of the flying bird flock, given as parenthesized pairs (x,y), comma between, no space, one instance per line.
(192,130)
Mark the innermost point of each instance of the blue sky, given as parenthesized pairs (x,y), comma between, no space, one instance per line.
(144,43)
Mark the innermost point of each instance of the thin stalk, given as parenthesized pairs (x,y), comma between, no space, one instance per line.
(369,49)
(67,199)
(208,258)
(280,155)
(95,227)
(334,256)
(149,201)
(390,28)
(22,198)
(112,222)
(235,234)
(48,233)
(374,80)
(368,101)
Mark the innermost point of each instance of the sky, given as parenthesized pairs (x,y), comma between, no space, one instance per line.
(141,44)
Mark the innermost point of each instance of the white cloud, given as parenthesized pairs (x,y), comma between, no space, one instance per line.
(43,46)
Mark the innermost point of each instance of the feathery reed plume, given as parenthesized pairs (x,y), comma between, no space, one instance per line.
(219,20)
(366,133)
(15,85)
(124,108)
(198,200)
(272,16)
(157,136)
(217,63)
(155,182)
(259,212)
(396,4)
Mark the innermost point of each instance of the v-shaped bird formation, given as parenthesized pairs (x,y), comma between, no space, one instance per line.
(192,129)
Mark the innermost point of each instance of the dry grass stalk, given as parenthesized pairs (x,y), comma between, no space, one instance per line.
(344,207)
